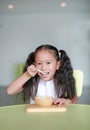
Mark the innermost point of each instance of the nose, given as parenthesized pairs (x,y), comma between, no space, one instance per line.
(43,66)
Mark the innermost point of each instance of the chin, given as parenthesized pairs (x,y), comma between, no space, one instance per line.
(47,79)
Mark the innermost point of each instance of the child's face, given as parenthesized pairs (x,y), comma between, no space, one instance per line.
(45,60)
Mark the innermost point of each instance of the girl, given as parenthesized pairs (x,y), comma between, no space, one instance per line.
(48,72)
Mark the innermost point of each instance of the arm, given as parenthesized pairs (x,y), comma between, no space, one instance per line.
(17,85)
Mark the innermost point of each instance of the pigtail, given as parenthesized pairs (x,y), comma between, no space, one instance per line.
(30,87)
(65,61)
(65,77)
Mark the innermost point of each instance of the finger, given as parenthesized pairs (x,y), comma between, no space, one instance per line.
(56,102)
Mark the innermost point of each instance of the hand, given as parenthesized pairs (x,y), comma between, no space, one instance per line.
(32,71)
(62,101)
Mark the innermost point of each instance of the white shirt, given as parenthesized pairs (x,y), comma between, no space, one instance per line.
(45,88)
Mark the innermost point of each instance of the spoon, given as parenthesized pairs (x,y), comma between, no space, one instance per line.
(41,71)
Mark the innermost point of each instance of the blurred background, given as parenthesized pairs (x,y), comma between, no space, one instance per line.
(26,24)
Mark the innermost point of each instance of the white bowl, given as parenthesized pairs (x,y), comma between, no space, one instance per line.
(43,101)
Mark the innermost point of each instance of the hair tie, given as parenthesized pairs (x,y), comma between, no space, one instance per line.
(59,52)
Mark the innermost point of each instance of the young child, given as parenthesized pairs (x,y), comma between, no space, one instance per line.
(47,72)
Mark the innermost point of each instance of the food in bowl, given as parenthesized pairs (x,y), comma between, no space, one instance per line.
(43,101)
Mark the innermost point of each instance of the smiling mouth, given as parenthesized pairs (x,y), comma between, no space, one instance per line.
(42,72)
(45,73)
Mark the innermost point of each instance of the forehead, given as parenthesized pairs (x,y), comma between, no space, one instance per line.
(44,54)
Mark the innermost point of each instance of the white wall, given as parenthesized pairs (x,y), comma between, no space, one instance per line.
(21,34)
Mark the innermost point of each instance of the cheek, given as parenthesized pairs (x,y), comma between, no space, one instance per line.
(54,68)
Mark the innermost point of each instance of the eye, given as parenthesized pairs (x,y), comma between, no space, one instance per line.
(48,62)
(39,63)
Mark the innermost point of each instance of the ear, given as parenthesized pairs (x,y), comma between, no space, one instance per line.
(58,65)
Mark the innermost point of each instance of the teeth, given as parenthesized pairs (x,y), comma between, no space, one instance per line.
(45,72)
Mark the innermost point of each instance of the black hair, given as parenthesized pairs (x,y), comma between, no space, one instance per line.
(63,79)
